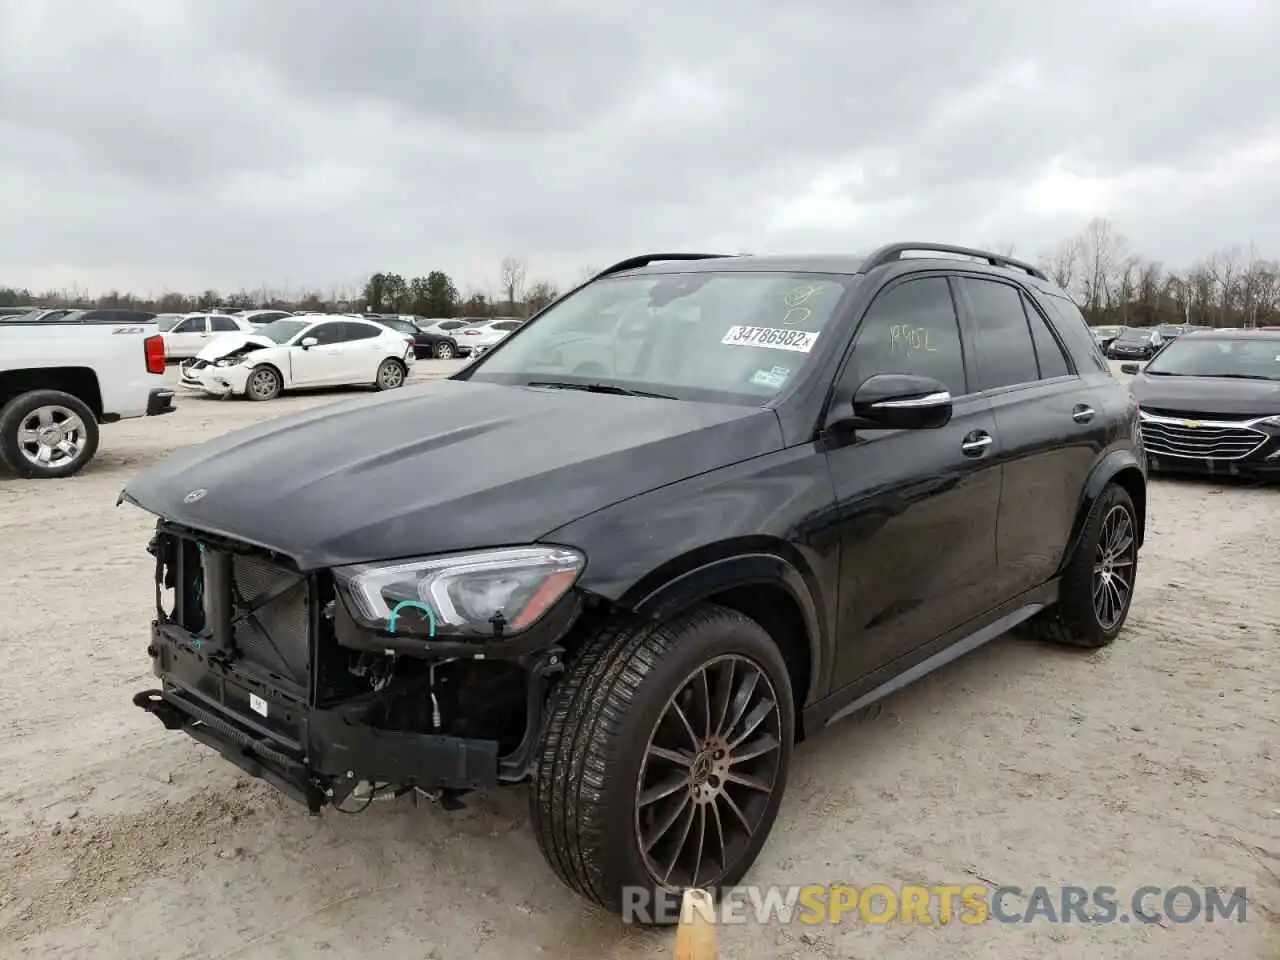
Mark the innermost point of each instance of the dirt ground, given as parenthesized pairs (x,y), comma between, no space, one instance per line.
(1152,762)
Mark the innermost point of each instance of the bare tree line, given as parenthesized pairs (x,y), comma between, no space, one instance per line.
(1233,287)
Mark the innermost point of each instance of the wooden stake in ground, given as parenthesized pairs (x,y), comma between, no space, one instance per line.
(696,934)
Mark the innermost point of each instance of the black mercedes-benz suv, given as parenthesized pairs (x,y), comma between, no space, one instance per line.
(696,508)
(1211,404)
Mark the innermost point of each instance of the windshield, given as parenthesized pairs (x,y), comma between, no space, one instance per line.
(1135,335)
(727,337)
(281,331)
(1214,357)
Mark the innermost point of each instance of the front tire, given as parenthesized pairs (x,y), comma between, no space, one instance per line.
(47,434)
(664,761)
(1096,590)
(263,383)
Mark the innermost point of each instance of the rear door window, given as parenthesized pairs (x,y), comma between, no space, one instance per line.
(1004,355)
(327,333)
(358,331)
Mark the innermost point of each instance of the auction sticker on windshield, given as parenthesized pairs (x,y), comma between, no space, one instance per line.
(801,341)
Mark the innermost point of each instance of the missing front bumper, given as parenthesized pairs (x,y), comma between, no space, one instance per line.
(339,755)
(317,756)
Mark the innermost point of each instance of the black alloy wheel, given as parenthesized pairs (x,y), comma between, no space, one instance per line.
(1095,591)
(1116,556)
(664,758)
(710,767)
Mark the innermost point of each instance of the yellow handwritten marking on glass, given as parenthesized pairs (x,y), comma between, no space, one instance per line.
(799,296)
(796,315)
(911,340)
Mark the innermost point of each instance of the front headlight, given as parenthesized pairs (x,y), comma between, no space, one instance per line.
(482,593)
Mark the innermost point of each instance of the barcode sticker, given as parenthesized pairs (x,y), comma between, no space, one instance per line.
(257,704)
(801,341)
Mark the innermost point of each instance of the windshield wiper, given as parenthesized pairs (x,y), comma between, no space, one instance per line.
(1238,376)
(598,388)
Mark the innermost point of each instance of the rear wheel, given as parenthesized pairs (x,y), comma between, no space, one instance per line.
(390,374)
(664,760)
(263,383)
(47,434)
(1097,587)
(444,351)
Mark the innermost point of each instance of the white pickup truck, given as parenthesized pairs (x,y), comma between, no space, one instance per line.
(60,378)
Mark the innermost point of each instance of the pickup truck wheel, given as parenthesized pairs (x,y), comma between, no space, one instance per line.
(664,759)
(47,434)
(443,351)
(1097,587)
(263,383)
(391,374)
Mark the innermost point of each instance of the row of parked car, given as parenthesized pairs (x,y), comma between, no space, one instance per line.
(186,335)
(1143,343)
(64,371)
(1120,342)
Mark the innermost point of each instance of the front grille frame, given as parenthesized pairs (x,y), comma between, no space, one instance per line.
(1210,439)
(246,606)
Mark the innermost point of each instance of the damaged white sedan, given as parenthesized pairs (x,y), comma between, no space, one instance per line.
(301,353)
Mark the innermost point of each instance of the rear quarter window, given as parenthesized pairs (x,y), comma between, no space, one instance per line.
(1074,331)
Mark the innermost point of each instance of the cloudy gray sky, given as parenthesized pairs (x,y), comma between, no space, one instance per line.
(183,144)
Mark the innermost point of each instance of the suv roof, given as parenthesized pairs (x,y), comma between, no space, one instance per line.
(822,263)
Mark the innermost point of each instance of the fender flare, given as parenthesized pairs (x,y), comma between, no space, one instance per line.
(679,592)
(1104,471)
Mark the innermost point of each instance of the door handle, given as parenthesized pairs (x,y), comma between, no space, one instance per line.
(1082,413)
(976,444)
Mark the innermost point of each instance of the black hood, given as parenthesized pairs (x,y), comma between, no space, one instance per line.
(1225,396)
(443,466)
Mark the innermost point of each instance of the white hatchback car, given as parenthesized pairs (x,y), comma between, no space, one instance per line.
(300,353)
(195,331)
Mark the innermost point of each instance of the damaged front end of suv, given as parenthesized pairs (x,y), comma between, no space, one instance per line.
(368,679)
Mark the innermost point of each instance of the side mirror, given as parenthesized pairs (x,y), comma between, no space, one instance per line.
(1130,368)
(899,401)
(306,343)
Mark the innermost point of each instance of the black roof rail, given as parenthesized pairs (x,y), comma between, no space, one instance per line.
(893,252)
(644,259)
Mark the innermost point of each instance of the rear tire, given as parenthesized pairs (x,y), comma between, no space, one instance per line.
(263,383)
(615,741)
(444,351)
(47,423)
(1096,590)
(391,374)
